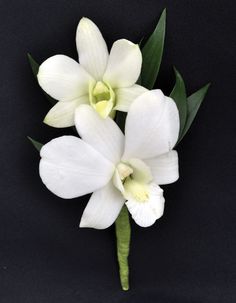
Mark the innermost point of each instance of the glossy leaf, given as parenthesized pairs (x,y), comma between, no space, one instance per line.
(193,104)
(178,94)
(35,68)
(152,53)
(36,144)
(123,233)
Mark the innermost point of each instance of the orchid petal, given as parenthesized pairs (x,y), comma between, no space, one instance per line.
(71,168)
(63,78)
(152,126)
(146,213)
(103,208)
(92,48)
(124,64)
(62,113)
(103,134)
(164,168)
(125,96)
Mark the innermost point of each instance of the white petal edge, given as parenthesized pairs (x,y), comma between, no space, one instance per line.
(145,214)
(152,126)
(117,182)
(92,48)
(165,168)
(103,134)
(124,64)
(62,114)
(125,96)
(103,208)
(63,78)
(70,168)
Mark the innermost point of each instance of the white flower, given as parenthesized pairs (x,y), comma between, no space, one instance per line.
(117,168)
(105,81)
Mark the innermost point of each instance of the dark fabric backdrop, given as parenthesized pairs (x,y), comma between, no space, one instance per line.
(189,254)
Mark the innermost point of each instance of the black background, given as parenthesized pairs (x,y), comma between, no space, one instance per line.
(189,254)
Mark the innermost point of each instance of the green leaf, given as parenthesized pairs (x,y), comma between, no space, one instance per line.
(178,94)
(139,81)
(34,65)
(36,144)
(152,53)
(35,68)
(194,103)
(123,232)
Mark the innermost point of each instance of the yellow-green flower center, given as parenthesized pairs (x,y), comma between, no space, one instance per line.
(134,181)
(139,191)
(102,98)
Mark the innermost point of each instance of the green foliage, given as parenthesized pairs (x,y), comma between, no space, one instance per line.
(178,94)
(187,106)
(152,53)
(193,105)
(35,68)
(34,65)
(36,144)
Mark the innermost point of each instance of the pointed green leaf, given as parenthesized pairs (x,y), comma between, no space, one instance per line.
(139,81)
(123,233)
(152,53)
(35,68)
(34,65)
(194,103)
(178,94)
(36,144)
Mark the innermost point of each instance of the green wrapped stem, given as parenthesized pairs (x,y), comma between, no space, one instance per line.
(123,233)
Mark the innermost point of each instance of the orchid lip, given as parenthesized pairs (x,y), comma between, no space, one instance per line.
(102,98)
(134,180)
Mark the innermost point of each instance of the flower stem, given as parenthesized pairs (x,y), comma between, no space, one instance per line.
(123,233)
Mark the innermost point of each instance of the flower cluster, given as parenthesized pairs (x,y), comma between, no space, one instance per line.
(119,169)
(122,171)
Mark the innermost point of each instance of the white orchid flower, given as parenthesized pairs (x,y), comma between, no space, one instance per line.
(105,81)
(118,169)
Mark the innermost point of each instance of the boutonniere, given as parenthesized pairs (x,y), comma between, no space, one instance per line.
(120,159)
